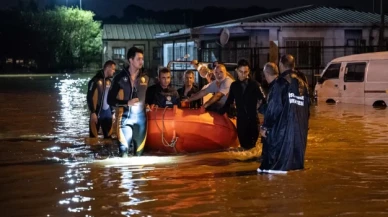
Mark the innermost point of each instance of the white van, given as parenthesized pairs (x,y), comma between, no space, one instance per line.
(357,79)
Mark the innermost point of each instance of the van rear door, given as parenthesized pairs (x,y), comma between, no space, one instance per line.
(353,85)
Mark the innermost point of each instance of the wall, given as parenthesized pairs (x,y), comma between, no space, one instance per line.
(333,42)
(146,45)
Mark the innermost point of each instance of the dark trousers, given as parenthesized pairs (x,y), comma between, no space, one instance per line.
(105,122)
(247,132)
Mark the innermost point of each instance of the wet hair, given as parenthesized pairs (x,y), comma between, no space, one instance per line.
(109,63)
(132,52)
(188,72)
(272,69)
(164,70)
(288,61)
(242,62)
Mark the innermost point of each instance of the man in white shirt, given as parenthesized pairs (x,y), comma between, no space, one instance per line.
(220,87)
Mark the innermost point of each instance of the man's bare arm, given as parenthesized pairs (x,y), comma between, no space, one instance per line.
(215,98)
(197,96)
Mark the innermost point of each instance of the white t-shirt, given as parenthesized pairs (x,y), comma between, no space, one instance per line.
(223,87)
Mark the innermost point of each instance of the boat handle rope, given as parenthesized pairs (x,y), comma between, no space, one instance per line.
(164,141)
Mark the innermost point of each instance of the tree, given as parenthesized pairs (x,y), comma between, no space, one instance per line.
(64,38)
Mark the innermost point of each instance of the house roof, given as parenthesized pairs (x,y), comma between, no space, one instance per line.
(304,16)
(136,31)
(311,14)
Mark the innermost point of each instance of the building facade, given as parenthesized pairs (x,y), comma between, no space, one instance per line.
(117,39)
(314,35)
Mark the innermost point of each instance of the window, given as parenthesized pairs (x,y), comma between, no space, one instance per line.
(352,35)
(307,52)
(376,72)
(179,50)
(157,53)
(355,72)
(331,72)
(118,53)
(210,52)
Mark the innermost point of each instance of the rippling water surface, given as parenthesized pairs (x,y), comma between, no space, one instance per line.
(48,168)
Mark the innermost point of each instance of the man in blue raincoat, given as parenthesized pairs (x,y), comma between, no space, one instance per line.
(286,117)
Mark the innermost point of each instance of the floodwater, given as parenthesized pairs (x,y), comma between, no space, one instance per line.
(47,169)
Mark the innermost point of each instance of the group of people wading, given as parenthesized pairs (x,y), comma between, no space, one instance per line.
(125,98)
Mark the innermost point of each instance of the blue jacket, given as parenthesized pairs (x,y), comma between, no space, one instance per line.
(286,119)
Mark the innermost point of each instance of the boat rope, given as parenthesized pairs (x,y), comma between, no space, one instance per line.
(164,141)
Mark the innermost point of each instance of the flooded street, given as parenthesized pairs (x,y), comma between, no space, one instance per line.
(47,169)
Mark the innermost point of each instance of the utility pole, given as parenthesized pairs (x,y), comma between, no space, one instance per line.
(373,6)
(80,4)
(381,35)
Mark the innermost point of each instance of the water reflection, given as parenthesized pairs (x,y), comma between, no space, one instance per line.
(351,120)
(73,116)
(77,180)
(72,128)
(132,180)
(345,166)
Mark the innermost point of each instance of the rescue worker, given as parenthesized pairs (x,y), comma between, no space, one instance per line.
(285,126)
(127,94)
(248,97)
(101,114)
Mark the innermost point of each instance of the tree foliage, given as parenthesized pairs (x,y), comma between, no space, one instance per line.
(66,38)
(56,39)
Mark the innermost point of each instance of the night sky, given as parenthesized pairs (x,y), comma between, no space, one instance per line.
(106,8)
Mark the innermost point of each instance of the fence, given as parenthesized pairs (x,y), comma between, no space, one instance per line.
(311,60)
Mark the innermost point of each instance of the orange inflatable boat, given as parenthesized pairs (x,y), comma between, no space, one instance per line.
(185,130)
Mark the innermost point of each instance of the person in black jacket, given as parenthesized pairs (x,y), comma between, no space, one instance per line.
(162,94)
(248,97)
(287,65)
(127,94)
(101,114)
(189,88)
(285,124)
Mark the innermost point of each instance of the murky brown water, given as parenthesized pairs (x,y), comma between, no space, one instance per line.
(47,170)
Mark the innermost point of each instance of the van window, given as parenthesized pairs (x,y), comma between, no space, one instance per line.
(355,72)
(377,71)
(332,72)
